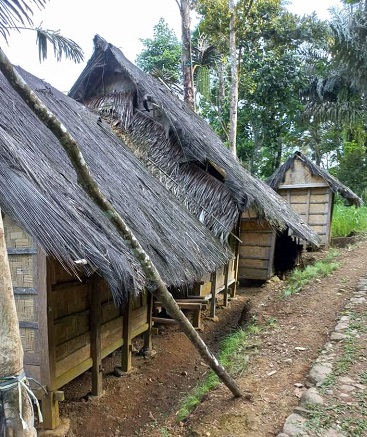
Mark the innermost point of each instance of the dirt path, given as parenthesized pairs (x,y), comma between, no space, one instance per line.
(295,329)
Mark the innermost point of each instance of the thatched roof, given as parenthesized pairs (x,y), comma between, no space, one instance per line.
(180,147)
(336,186)
(39,190)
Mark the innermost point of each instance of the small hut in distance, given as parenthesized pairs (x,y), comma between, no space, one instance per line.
(310,191)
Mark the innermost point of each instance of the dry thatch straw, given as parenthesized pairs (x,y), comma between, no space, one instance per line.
(336,186)
(179,146)
(39,190)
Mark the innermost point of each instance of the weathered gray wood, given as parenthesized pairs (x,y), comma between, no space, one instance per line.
(126,335)
(95,334)
(50,406)
(213,294)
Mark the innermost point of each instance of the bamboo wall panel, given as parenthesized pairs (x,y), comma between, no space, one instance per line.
(25,307)
(27,336)
(23,268)
(15,236)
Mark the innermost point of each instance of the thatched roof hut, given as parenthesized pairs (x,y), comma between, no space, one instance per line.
(39,190)
(310,191)
(279,176)
(177,145)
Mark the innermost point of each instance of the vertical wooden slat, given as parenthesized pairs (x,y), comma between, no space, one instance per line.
(213,294)
(308,206)
(126,334)
(148,332)
(50,406)
(225,292)
(95,321)
(271,255)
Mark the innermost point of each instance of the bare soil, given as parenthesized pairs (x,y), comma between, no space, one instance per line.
(145,402)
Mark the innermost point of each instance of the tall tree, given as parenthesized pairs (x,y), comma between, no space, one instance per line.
(234,78)
(161,55)
(187,70)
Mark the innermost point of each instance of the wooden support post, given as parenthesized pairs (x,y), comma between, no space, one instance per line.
(148,332)
(225,292)
(95,322)
(49,402)
(196,319)
(126,335)
(234,285)
(213,293)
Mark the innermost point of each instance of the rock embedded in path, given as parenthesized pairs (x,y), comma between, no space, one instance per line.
(311,396)
(319,373)
(295,425)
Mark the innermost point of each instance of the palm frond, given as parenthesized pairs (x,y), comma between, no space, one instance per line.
(16,12)
(62,46)
(336,112)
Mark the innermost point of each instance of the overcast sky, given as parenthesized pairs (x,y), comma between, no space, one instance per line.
(121,22)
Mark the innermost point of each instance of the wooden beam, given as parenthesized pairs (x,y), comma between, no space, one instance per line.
(50,405)
(95,335)
(126,335)
(226,288)
(148,332)
(213,294)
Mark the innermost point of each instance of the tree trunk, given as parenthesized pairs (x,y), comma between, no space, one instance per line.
(90,186)
(187,73)
(234,79)
(11,354)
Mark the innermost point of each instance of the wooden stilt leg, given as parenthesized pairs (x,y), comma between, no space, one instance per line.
(126,334)
(226,288)
(96,318)
(213,293)
(148,333)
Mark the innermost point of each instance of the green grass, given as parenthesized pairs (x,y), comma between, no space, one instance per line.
(299,278)
(232,356)
(348,219)
(323,417)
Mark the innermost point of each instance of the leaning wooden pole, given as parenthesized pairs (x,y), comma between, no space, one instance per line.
(88,183)
(17,411)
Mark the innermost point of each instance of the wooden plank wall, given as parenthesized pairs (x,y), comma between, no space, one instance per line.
(22,253)
(311,197)
(256,252)
(72,323)
(204,289)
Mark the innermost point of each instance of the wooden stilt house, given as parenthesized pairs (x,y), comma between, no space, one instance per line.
(184,154)
(79,292)
(310,191)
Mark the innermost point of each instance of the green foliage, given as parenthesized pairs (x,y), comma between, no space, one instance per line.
(161,55)
(347,220)
(14,13)
(62,47)
(299,278)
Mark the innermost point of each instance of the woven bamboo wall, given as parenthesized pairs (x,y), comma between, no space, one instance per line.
(22,255)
